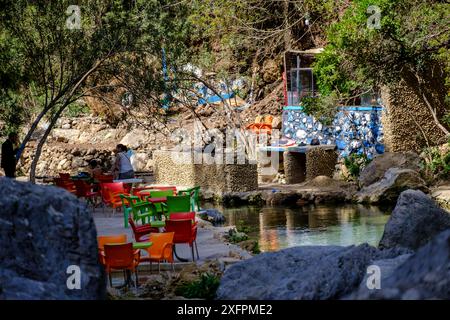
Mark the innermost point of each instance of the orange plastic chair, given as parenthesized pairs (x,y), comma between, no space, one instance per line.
(121,257)
(113,239)
(161,249)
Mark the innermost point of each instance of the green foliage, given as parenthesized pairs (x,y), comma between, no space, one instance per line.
(323,107)
(355,163)
(235,236)
(437,162)
(412,40)
(242,227)
(76,110)
(12,113)
(204,288)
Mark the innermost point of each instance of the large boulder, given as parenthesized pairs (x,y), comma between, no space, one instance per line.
(387,190)
(43,231)
(309,272)
(423,275)
(376,169)
(415,220)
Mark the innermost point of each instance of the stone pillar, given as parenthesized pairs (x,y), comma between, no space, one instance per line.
(320,162)
(294,166)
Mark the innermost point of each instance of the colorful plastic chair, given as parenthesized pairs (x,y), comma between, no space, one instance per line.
(141,233)
(160,194)
(65,184)
(111,192)
(113,239)
(84,190)
(127,203)
(161,249)
(177,204)
(185,232)
(194,193)
(121,257)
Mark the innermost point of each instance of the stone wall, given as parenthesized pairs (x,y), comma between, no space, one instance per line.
(320,162)
(177,168)
(354,129)
(58,157)
(406,116)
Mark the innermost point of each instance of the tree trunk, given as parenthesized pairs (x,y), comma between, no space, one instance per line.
(33,128)
(41,143)
(287,31)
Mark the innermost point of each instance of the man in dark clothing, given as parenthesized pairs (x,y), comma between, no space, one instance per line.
(9,155)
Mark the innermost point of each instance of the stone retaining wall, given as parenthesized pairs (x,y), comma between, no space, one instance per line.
(216,178)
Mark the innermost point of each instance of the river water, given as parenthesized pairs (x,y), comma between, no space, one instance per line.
(282,227)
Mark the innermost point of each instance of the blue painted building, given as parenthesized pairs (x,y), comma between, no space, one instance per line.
(355,129)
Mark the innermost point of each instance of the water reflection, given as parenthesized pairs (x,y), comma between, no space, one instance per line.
(282,227)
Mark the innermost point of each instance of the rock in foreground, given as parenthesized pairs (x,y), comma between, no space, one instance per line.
(310,272)
(43,231)
(424,275)
(415,220)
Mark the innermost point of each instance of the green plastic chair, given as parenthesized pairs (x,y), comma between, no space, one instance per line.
(146,213)
(127,203)
(194,193)
(177,204)
(160,194)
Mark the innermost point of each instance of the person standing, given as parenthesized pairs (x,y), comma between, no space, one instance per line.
(9,151)
(122,167)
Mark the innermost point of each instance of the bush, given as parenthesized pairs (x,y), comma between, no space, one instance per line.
(355,163)
(75,110)
(437,162)
(204,288)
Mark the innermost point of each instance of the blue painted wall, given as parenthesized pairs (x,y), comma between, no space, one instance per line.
(354,129)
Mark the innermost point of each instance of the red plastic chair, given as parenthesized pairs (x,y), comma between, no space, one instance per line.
(185,232)
(64,176)
(104,178)
(121,257)
(111,194)
(84,190)
(113,239)
(141,233)
(65,184)
(183,216)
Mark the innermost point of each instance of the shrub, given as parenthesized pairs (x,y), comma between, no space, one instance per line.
(355,163)
(204,288)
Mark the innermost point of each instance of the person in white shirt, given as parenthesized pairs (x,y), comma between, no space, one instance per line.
(122,166)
